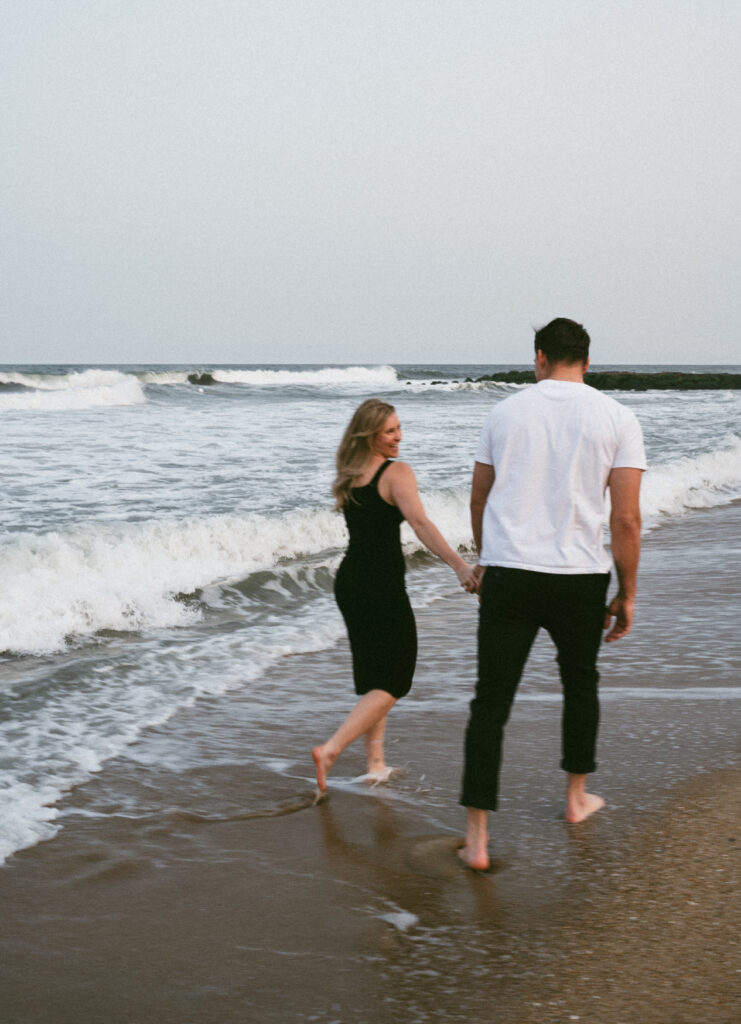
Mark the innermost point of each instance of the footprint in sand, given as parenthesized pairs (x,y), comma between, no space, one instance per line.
(299,803)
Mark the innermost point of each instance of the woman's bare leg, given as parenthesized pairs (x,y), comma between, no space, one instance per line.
(374,747)
(368,712)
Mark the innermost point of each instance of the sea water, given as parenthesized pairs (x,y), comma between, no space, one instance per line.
(167,535)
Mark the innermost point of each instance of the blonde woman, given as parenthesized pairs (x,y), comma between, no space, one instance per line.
(375,495)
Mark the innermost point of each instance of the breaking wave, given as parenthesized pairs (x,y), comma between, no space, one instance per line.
(49,392)
(142,576)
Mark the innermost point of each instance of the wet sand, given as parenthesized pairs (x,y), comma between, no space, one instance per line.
(176,894)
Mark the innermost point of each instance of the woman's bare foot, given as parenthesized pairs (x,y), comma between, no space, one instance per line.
(378,775)
(323,760)
(581,806)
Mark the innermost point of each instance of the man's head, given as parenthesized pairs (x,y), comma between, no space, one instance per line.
(563,341)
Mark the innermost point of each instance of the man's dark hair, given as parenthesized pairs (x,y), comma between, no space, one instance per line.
(563,341)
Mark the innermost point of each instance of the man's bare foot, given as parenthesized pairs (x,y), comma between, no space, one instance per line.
(580,806)
(476,859)
(323,761)
(474,850)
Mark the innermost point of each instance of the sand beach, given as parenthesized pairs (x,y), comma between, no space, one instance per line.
(222,895)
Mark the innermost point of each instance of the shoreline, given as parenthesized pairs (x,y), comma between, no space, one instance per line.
(181,893)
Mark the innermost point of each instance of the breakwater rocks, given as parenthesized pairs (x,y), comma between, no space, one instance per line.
(631,380)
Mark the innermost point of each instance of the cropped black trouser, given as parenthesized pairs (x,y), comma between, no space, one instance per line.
(515,604)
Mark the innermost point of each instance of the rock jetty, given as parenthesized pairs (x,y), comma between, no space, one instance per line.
(632,380)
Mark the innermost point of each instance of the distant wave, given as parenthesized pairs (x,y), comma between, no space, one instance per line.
(382,376)
(329,376)
(51,392)
(78,390)
(166,376)
(387,377)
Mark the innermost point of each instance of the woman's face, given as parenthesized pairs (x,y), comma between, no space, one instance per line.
(387,440)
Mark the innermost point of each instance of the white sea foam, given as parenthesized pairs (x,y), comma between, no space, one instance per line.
(673,488)
(166,376)
(449,511)
(27,815)
(60,743)
(128,576)
(60,392)
(64,381)
(328,376)
(379,376)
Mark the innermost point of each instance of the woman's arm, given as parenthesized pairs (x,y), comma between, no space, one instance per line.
(401,485)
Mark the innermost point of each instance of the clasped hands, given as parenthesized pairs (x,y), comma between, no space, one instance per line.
(471,583)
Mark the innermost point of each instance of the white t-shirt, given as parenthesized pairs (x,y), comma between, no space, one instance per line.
(552,447)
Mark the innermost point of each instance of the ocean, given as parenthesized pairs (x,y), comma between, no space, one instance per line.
(167,541)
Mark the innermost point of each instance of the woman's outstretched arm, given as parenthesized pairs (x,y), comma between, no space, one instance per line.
(403,492)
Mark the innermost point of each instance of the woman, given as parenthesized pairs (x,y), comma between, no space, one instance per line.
(376,495)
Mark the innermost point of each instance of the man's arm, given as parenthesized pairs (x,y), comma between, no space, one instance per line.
(482,483)
(625,541)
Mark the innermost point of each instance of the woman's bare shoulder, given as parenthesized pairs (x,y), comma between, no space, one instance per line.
(400,474)
(400,468)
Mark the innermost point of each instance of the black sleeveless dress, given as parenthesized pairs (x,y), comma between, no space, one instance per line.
(369,589)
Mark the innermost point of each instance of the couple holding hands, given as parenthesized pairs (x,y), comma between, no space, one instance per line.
(546,458)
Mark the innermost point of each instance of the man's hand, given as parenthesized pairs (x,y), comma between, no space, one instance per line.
(478,574)
(621,609)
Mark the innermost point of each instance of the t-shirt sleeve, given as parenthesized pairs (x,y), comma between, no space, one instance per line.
(483,452)
(631,452)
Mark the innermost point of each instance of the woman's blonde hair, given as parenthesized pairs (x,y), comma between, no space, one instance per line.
(356,446)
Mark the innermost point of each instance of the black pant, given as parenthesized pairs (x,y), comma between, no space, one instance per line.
(515,603)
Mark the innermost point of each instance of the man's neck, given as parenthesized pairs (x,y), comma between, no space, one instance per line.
(562,371)
(545,370)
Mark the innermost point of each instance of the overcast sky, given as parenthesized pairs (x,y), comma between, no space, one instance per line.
(221,181)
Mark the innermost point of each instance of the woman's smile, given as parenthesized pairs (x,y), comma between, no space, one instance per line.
(388,438)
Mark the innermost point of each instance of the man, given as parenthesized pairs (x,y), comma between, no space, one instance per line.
(545,459)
